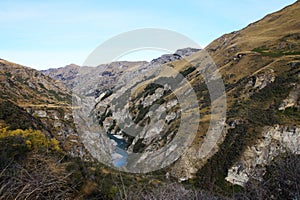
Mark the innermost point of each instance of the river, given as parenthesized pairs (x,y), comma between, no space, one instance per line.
(120,154)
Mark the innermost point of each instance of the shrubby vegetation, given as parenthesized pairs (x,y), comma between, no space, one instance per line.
(252,113)
(30,166)
(212,176)
(30,139)
(33,166)
(17,118)
(281,180)
(264,51)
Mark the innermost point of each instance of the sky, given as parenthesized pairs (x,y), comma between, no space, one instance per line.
(46,34)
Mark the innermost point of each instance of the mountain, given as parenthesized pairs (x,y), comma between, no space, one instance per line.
(178,55)
(260,69)
(64,74)
(259,66)
(38,102)
(111,71)
(228,114)
(24,85)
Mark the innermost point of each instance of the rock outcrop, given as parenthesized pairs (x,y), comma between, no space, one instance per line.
(178,55)
(139,102)
(109,73)
(275,141)
(293,100)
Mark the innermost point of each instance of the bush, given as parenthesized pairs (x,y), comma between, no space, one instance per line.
(212,175)
(31,139)
(38,176)
(32,167)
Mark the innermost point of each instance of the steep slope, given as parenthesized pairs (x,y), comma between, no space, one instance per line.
(140,105)
(27,86)
(110,107)
(29,99)
(260,70)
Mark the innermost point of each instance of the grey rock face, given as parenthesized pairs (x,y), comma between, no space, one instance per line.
(186,51)
(143,115)
(108,73)
(293,100)
(264,79)
(275,141)
(40,113)
(178,55)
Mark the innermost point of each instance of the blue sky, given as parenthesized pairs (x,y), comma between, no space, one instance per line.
(44,34)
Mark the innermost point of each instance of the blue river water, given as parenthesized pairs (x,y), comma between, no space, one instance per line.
(119,149)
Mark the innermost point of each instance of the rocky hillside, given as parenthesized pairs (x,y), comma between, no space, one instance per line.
(260,69)
(112,102)
(64,74)
(24,85)
(215,118)
(29,99)
(178,55)
(259,66)
(108,73)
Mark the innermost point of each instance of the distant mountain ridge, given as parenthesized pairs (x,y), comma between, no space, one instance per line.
(260,68)
(68,73)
